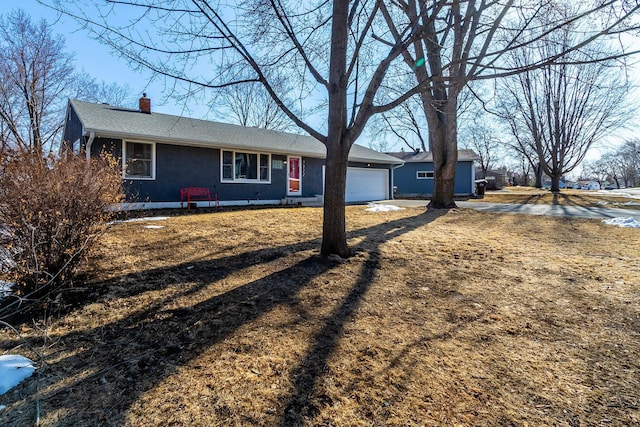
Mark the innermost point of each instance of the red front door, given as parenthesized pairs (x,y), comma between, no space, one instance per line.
(294,176)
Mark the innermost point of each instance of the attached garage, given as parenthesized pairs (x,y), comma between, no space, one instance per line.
(365,185)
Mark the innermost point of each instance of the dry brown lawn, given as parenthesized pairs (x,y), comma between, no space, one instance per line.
(454,318)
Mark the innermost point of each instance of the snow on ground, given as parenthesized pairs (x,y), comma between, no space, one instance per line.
(623,222)
(14,368)
(631,193)
(6,261)
(147,218)
(374,207)
(5,288)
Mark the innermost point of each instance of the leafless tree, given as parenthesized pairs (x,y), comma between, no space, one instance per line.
(403,124)
(87,88)
(557,112)
(480,137)
(35,73)
(251,105)
(620,166)
(339,53)
(628,158)
(467,40)
(327,51)
(407,124)
(601,171)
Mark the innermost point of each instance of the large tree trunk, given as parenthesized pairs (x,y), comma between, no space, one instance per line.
(445,158)
(555,184)
(334,236)
(443,144)
(539,175)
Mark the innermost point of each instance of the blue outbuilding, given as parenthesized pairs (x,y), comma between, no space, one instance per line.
(416,177)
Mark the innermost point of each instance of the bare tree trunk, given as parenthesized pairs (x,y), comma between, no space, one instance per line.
(445,158)
(443,144)
(538,175)
(334,236)
(555,184)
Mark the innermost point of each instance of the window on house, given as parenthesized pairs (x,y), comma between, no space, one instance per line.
(424,175)
(245,167)
(138,160)
(227,165)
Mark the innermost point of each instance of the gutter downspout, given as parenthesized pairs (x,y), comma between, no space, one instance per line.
(92,136)
(393,196)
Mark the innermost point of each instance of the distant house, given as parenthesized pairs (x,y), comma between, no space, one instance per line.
(161,153)
(561,184)
(416,177)
(590,185)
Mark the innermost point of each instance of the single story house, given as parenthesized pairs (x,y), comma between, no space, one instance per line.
(590,185)
(161,153)
(561,184)
(416,177)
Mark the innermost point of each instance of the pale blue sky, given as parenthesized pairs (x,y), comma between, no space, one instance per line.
(98,62)
(92,56)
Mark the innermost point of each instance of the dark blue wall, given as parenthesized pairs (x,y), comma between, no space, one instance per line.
(72,129)
(312,184)
(406,183)
(183,166)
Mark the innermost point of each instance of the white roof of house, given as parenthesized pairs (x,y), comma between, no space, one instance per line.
(117,122)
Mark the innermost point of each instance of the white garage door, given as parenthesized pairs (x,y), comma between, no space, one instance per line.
(365,185)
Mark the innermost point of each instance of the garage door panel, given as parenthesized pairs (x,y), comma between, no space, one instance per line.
(364,185)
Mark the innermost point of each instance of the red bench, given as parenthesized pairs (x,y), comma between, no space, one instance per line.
(190,194)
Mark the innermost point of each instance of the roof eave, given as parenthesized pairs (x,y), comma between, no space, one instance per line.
(101,133)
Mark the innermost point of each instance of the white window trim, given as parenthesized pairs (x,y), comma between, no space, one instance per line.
(427,173)
(124,161)
(244,181)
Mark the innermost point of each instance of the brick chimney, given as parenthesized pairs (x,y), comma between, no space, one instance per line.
(145,104)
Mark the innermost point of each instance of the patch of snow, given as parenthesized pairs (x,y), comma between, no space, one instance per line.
(6,254)
(5,288)
(14,369)
(631,193)
(374,207)
(154,226)
(147,218)
(2,407)
(623,222)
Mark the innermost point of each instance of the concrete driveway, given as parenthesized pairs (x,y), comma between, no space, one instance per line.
(529,209)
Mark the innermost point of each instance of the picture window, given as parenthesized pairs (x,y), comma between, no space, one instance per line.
(238,166)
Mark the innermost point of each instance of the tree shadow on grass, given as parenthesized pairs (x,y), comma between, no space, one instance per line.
(136,344)
(307,373)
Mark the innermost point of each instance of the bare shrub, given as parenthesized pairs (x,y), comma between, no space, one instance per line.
(51,210)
